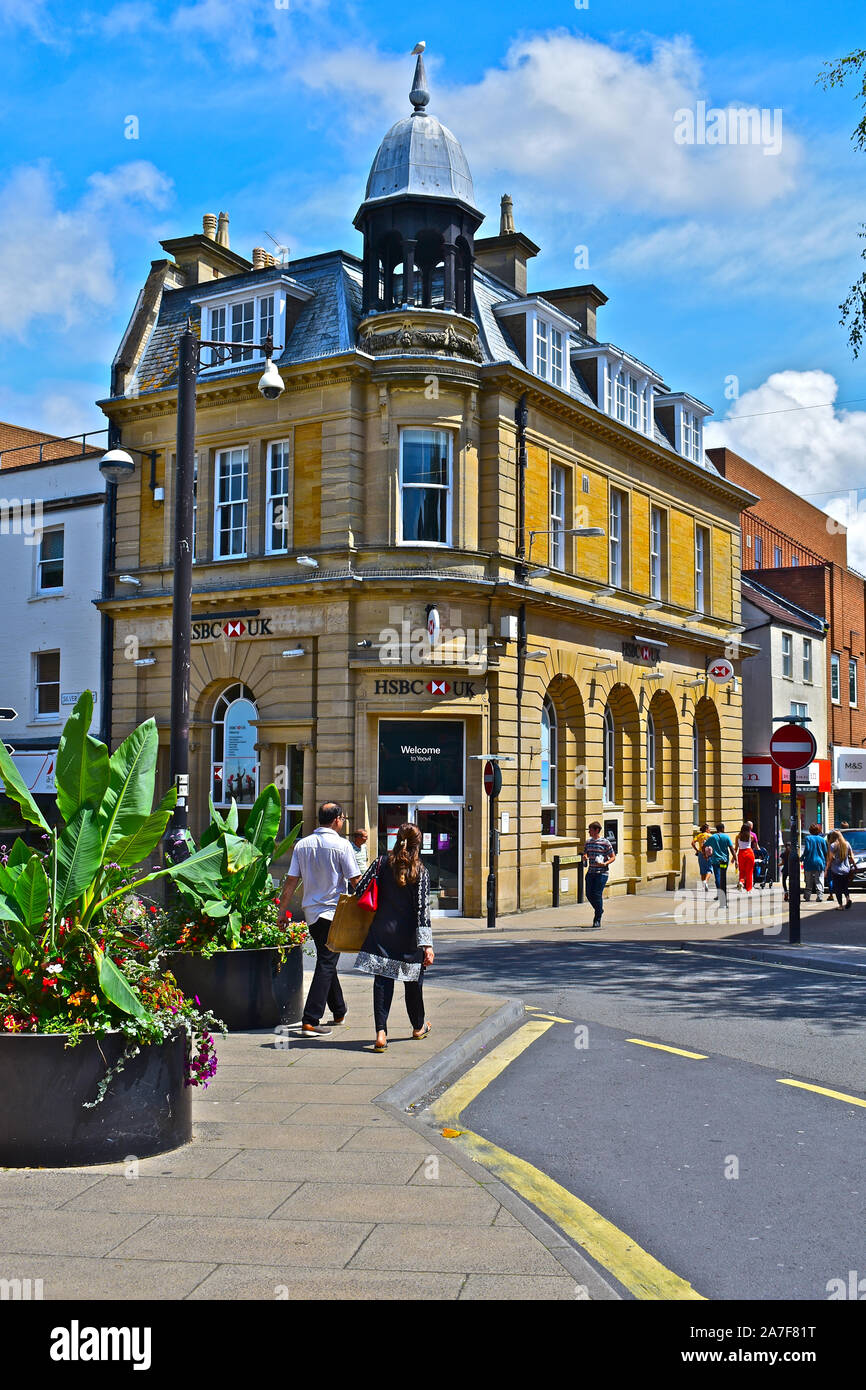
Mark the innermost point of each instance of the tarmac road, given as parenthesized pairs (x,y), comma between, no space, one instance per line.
(743,1186)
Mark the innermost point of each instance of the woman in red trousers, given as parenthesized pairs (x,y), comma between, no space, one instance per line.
(745,857)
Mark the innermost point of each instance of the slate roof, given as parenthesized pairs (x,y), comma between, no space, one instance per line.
(327,325)
(780,609)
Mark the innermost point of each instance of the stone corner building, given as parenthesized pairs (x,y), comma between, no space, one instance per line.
(388,487)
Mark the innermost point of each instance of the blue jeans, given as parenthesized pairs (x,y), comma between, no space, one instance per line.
(720,874)
(595,883)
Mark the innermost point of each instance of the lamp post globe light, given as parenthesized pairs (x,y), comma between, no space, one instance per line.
(116,465)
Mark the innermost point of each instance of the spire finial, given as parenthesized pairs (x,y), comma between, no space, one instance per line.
(419,95)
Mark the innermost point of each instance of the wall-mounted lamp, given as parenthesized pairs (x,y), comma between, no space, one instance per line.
(129,579)
(149,660)
(307,561)
(699,681)
(652,605)
(652,675)
(536,655)
(607,591)
(605,666)
(648,641)
(293,651)
(366,643)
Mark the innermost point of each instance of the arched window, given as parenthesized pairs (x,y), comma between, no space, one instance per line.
(234,761)
(548,768)
(650,759)
(696,774)
(608,790)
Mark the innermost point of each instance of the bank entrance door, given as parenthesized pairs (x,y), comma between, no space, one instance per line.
(441,848)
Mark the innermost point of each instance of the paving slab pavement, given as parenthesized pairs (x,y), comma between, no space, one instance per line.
(297,1186)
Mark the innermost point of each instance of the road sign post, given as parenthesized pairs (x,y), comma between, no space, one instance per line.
(492,787)
(793,747)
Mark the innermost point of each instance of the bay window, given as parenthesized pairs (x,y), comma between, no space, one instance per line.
(425,487)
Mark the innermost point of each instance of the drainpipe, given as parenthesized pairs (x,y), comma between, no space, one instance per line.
(521,416)
(109,526)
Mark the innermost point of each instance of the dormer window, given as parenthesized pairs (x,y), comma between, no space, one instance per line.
(621,386)
(247,321)
(681,419)
(541,334)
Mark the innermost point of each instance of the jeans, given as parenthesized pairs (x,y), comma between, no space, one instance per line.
(814,882)
(383,994)
(841,886)
(720,874)
(595,882)
(325,986)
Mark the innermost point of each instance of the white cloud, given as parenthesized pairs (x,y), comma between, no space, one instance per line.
(574,118)
(791,428)
(61,261)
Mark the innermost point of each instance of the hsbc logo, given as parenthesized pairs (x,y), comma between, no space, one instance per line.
(438,687)
(232,627)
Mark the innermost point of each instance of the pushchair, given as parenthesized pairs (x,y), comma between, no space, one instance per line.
(763,868)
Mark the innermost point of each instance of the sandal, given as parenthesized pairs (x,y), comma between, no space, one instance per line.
(424,1031)
(380,1047)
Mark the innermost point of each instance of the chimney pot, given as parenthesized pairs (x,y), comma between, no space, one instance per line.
(259,258)
(506,215)
(223,230)
(209,225)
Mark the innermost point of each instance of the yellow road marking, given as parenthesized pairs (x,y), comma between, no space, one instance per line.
(661,1047)
(554,1018)
(822,1091)
(634,1267)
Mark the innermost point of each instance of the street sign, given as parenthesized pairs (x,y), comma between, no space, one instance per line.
(8,714)
(492,779)
(793,747)
(720,671)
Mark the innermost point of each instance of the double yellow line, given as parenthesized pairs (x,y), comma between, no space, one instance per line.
(634,1267)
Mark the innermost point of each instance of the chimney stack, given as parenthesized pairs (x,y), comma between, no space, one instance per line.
(505,256)
(209,226)
(223,230)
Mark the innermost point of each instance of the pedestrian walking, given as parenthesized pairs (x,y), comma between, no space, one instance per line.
(840,865)
(359,840)
(784,864)
(704,857)
(814,860)
(399,944)
(598,855)
(746,842)
(722,847)
(325,862)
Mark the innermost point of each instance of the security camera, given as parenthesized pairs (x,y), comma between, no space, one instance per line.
(271,384)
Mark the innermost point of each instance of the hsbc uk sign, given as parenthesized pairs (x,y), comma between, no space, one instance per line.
(464,689)
(231,627)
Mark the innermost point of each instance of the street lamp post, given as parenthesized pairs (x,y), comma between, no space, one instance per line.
(271,385)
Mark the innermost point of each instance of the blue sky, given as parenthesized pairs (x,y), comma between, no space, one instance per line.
(720,262)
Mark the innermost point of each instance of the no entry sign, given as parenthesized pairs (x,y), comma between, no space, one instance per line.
(793,747)
(492,779)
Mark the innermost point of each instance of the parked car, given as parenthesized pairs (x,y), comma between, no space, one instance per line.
(857,840)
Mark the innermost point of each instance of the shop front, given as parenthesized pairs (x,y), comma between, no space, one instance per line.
(849,786)
(767,798)
(422,778)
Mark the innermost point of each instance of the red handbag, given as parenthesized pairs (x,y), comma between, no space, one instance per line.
(369,899)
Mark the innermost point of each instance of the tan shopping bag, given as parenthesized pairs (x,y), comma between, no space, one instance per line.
(350,925)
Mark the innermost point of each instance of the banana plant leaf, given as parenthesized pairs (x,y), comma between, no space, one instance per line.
(16,790)
(239,853)
(82,769)
(115,987)
(135,847)
(263,821)
(129,797)
(18,854)
(32,892)
(79,856)
(203,869)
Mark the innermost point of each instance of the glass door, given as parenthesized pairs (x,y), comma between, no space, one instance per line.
(441,852)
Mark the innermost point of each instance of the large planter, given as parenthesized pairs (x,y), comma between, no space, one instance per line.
(147,1108)
(246,989)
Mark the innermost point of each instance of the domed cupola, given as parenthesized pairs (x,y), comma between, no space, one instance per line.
(419,216)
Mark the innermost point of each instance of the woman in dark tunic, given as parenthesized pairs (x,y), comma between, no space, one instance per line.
(399,943)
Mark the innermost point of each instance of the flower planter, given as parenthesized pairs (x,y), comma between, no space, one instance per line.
(147,1108)
(246,989)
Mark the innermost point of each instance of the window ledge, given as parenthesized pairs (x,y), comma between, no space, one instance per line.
(48,593)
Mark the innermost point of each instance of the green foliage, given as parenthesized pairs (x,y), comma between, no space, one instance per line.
(62,936)
(836,74)
(245,898)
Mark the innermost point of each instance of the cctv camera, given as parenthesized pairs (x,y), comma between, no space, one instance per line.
(271,384)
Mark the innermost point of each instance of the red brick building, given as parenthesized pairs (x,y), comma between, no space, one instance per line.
(800,552)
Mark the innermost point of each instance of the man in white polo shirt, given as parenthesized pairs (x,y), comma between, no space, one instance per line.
(326,862)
